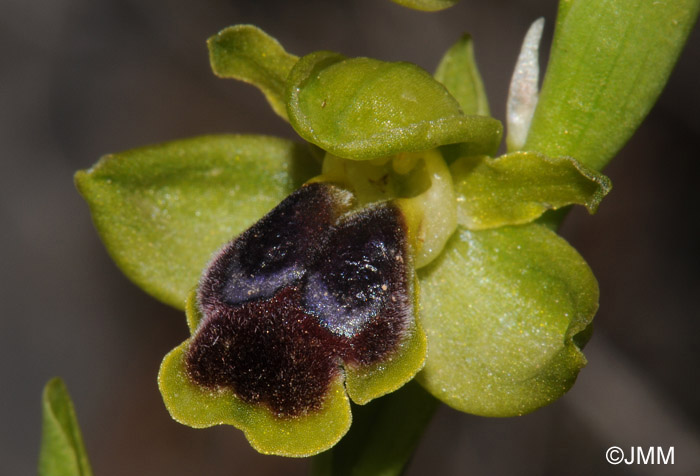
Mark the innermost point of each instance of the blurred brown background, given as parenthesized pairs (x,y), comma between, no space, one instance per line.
(81,78)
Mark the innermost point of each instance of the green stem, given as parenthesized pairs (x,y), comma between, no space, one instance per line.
(383,435)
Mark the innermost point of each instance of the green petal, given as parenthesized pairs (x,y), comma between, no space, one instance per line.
(426,5)
(363,108)
(502,310)
(163,210)
(458,72)
(199,407)
(517,188)
(610,60)
(62,449)
(247,53)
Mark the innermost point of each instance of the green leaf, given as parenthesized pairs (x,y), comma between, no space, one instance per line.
(363,108)
(163,210)
(610,60)
(517,188)
(62,449)
(458,72)
(383,435)
(426,5)
(247,53)
(503,310)
(200,407)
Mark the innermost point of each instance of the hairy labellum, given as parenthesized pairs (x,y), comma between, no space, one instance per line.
(309,288)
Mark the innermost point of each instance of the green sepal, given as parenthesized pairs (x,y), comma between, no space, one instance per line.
(62,449)
(503,310)
(609,61)
(365,383)
(247,53)
(200,407)
(426,5)
(163,210)
(458,72)
(519,187)
(362,108)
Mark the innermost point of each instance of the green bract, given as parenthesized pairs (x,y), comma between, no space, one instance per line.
(609,61)
(62,449)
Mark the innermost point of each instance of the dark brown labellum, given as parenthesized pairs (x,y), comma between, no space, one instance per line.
(303,291)
(361,267)
(272,253)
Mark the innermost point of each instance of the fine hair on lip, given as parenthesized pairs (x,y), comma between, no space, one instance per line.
(330,288)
